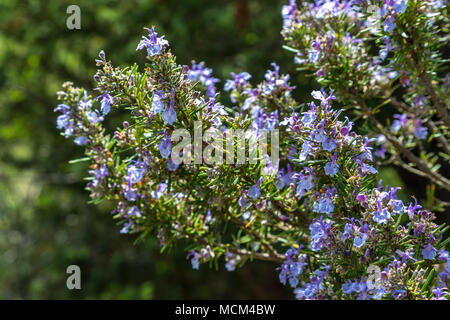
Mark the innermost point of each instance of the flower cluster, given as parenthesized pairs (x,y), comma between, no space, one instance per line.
(318,200)
(381,55)
(198,72)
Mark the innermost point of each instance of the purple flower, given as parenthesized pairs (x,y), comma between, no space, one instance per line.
(255,192)
(362,198)
(288,13)
(329,144)
(199,72)
(331,168)
(439,293)
(420,132)
(305,183)
(381,153)
(400,6)
(153,44)
(105,104)
(321,95)
(243,200)
(94,117)
(360,240)
(157,104)
(389,24)
(99,175)
(412,209)
(135,212)
(156,194)
(81,140)
(238,80)
(126,227)
(365,168)
(64,121)
(169,115)
(429,252)
(165,147)
(399,122)
(324,204)
(318,233)
(194,260)
(313,55)
(171,165)
(135,173)
(345,130)
(382,215)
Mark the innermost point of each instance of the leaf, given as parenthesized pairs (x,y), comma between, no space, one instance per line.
(79,160)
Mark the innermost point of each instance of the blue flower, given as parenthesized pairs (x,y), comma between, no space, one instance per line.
(105,104)
(329,144)
(157,104)
(308,117)
(156,194)
(81,140)
(306,150)
(439,293)
(238,80)
(93,117)
(194,260)
(360,240)
(135,173)
(319,231)
(153,44)
(324,204)
(254,191)
(399,122)
(380,292)
(429,252)
(243,200)
(169,115)
(126,227)
(347,287)
(171,165)
(313,55)
(199,72)
(321,95)
(135,212)
(288,13)
(331,168)
(165,147)
(382,215)
(64,121)
(400,6)
(130,194)
(86,103)
(389,24)
(231,263)
(304,184)
(420,132)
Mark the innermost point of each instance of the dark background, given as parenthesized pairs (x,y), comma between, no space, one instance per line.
(45,221)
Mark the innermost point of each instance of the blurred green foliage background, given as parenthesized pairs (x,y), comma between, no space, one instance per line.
(45,221)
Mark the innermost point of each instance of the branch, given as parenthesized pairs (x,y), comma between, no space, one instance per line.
(401,106)
(433,176)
